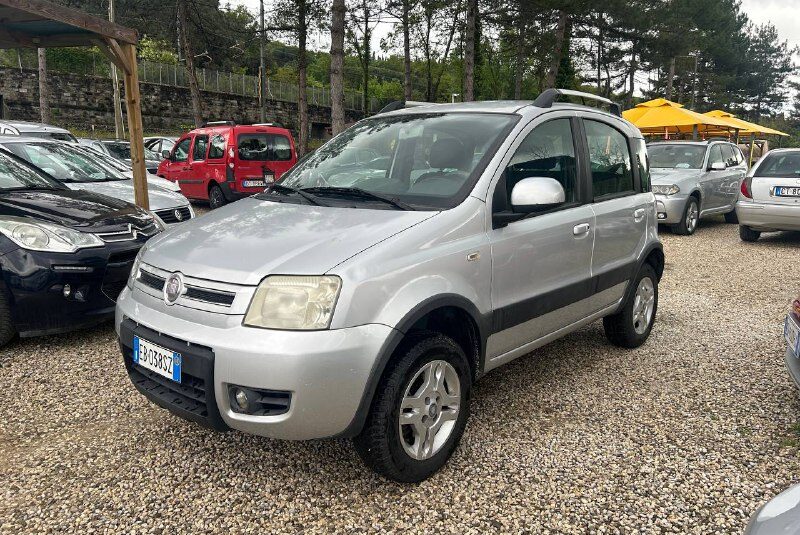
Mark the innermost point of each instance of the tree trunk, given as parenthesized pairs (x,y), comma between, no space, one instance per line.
(262,66)
(428,58)
(302,64)
(631,82)
(670,78)
(469,51)
(194,90)
(44,104)
(337,66)
(435,92)
(520,59)
(367,54)
(558,51)
(407,90)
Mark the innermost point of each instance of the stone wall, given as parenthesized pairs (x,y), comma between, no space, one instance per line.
(80,102)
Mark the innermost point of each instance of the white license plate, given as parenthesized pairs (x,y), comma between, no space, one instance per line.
(254,183)
(791,331)
(787,191)
(161,360)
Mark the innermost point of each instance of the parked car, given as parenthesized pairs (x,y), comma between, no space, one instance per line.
(161,145)
(791,332)
(779,516)
(223,162)
(40,130)
(72,166)
(769,199)
(332,307)
(64,254)
(695,179)
(121,150)
(152,180)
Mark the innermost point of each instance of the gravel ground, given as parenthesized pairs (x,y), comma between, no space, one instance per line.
(687,434)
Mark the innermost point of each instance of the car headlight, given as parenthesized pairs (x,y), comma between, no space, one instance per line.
(288,302)
(160,225)
(670,189)
(40,236)
(135,269)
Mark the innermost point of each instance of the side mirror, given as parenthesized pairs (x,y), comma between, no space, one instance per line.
(530,195)
(165,154)
(717,166)
(536,194)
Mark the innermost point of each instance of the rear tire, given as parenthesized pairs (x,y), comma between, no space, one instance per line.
(690,219)
(216,198)
(419,411)
(748,234)
(7,330)
(731,217)
(631,326)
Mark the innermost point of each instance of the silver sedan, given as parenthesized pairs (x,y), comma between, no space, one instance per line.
(769,199)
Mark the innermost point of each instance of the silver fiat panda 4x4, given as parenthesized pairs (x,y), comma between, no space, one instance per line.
(365,292)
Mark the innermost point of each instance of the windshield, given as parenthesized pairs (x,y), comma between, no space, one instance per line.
(16,175)
(122,151)
(65,163)
(424,160)
(676,156)
(780,165)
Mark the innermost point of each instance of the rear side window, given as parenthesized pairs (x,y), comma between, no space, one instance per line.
(780,165)
(610,159)
(181,153)
(264,148)
(217,149)
(200,147)
(643,162)
(548,151)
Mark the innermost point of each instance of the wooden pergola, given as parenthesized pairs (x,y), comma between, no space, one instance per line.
(42,24)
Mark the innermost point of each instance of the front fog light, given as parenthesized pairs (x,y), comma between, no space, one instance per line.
(285,302)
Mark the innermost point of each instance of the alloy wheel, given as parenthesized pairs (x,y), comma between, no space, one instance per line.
(643,305)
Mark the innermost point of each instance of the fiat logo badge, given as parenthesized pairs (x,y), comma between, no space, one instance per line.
(173,288)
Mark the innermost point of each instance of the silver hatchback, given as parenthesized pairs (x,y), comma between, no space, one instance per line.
(769,199)
(695,179)
(363,294)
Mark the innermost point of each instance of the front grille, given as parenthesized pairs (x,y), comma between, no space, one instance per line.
(171,215)
(118,269)
(193,398)
(131,233)
(195,293)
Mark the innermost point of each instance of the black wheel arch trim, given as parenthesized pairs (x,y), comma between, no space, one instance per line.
(482,323)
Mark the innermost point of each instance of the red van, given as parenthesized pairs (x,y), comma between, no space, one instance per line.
(222,161)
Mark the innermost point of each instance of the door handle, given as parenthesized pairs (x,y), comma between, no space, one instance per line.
(579,230)
(638,215)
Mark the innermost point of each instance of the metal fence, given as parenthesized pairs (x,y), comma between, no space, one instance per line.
(207,79)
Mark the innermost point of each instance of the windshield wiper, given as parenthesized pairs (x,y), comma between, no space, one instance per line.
(33,187)
(361,193)
(289,189)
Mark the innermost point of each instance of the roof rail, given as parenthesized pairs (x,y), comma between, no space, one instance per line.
(403,104)
(549,96)
(218,123)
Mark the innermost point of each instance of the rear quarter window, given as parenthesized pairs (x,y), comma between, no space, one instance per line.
(260,147)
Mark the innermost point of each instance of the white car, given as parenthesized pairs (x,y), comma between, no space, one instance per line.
(769,197)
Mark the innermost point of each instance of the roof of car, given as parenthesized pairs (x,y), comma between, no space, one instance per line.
(28,126)
(485,106)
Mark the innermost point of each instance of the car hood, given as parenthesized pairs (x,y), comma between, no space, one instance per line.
(673,176)
(82,210)
(247,240)
(160,198)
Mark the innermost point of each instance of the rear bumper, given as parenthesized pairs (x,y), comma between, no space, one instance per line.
(233,195)
(670,208)
(793,366)
(768,216)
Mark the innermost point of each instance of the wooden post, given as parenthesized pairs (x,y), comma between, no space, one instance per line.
(133,105)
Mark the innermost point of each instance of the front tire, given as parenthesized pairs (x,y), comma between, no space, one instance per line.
(7,330)
(216,198)
(748,234)
(690,220)
(419,412)
(631,326)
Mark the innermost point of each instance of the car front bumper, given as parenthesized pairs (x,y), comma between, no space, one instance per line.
(36,283)
(325,372)
(768,216)
(670,208)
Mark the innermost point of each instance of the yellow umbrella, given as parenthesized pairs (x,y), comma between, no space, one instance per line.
(744,127)
(662,115)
